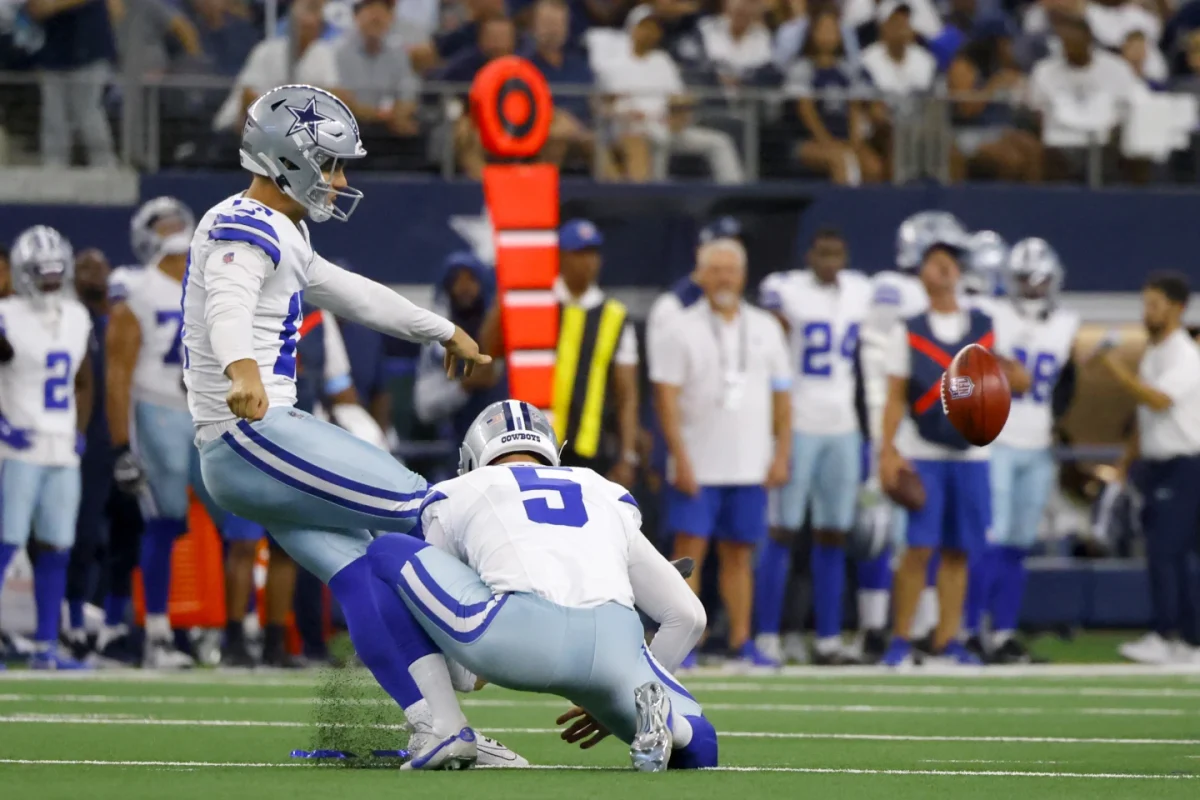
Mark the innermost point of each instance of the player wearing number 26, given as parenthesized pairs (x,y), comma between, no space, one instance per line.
(46,395)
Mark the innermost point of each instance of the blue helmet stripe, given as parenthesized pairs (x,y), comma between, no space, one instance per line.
(509,423)
(525,416)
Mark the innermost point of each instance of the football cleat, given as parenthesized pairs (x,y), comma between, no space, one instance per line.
(770,646)
(52,658)
(837,657)
(651,747)
(494,754)
(956,653)
(1014,652)
(429,752)
(690,661)
(1150,649)
(751,656)
(795,649)
(976,647)
(161,654)
(871,646)
(899,655)
(237,655)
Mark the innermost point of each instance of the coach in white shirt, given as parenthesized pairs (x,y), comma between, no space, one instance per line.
(1167,442)
(723,400)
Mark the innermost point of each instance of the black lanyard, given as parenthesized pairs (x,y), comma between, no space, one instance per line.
(743,341)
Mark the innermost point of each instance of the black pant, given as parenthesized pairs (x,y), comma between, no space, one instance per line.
(1171,518)
(108,534)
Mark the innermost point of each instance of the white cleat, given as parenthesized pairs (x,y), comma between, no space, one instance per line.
(431,752)
(770,646)
(651,747)
(1150,649)
(494,754)
(162,655)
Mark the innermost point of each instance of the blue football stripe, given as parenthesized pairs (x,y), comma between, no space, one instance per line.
(250,221)
(628,498)
(324,474)
(429,500)
(223,233)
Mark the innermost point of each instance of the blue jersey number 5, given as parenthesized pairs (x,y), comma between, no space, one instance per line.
(58,371)
(554,501)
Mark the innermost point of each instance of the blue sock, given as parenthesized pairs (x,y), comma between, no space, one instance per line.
(875,575)
(770,585)
(75,614)
(6,554)
(978,586)
(701,752)
(829,581)
(115,608)
(382,629)
(1007,570)
(49,588)
(157,543)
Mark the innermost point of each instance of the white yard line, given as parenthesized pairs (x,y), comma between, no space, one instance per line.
(533,702)
(577,768)
(116,719)
(821,687)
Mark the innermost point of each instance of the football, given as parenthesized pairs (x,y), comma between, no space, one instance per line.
(975,395)
(908,492)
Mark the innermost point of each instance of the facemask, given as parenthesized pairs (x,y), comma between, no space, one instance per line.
(175,244)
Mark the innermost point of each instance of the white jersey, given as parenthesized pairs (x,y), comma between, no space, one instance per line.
(122,280)
(37,387)
(1043,347)
(824,323)
(564,534)
(158,375)
(895,296)
(277,314)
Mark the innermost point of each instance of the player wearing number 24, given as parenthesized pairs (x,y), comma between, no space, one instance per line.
(46,393)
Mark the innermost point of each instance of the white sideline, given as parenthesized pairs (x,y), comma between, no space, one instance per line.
(470,702)
(577,768)
(117,719)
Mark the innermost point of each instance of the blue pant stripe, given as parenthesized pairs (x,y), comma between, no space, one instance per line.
(324,474)
(250,458)
(662,675)
(465,637)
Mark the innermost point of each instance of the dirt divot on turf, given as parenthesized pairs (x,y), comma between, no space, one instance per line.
(347,718)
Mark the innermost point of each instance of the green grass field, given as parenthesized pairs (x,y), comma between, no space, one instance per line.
(1063,732)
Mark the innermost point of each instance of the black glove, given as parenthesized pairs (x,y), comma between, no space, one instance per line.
(128,472)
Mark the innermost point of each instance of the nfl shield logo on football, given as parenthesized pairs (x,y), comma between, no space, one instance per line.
(961,387)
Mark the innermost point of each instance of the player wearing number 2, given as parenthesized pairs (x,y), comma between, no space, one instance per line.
(46,394)
(148,417)
(317,489)
(1032,330)
(822,309)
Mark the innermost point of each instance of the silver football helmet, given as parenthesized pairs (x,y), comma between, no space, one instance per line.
(987,258)
(1034,276)
(509,426)
(162,226)
(42,264)
(299,136)
(920,232)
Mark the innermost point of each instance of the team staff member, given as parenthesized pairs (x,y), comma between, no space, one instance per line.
(1167,442)
(722,390)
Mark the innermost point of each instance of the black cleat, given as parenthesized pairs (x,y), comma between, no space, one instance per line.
(835,658)
(874,645)
(923,649)
(1013,651)
(235,654)
(975,647)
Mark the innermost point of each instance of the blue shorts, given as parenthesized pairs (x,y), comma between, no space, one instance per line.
(1021,483)
(827,471)
(730,513)
(162,440)
(958,506)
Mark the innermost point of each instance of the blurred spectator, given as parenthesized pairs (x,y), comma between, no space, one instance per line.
(271,64)
(1189,81)
(146,30)
(790,35)
(966,22)
(896,64)
(226,34)
(416,18)
(828,91)
(563,66)
(864,16)
(378,83)
(1136,54)
(737,41)
(653,117)
(986,70)
(681,39)
(1112,22)
(1036,31)
(497,37)
(1081,94)
(449,44)
(75,65)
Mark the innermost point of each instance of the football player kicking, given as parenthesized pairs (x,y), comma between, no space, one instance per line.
(316,488)
(46,394)
(528,579)
(147,408)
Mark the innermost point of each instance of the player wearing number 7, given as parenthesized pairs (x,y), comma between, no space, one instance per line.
(46,394)
(1034,331)
(147,409)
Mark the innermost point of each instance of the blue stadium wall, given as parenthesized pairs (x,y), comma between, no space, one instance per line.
(404,227)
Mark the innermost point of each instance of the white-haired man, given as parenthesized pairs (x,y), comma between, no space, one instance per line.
(722,393)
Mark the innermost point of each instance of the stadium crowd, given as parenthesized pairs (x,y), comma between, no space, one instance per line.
(642,91)
(716,407)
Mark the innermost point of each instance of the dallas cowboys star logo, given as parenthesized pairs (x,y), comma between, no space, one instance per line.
(307,119)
